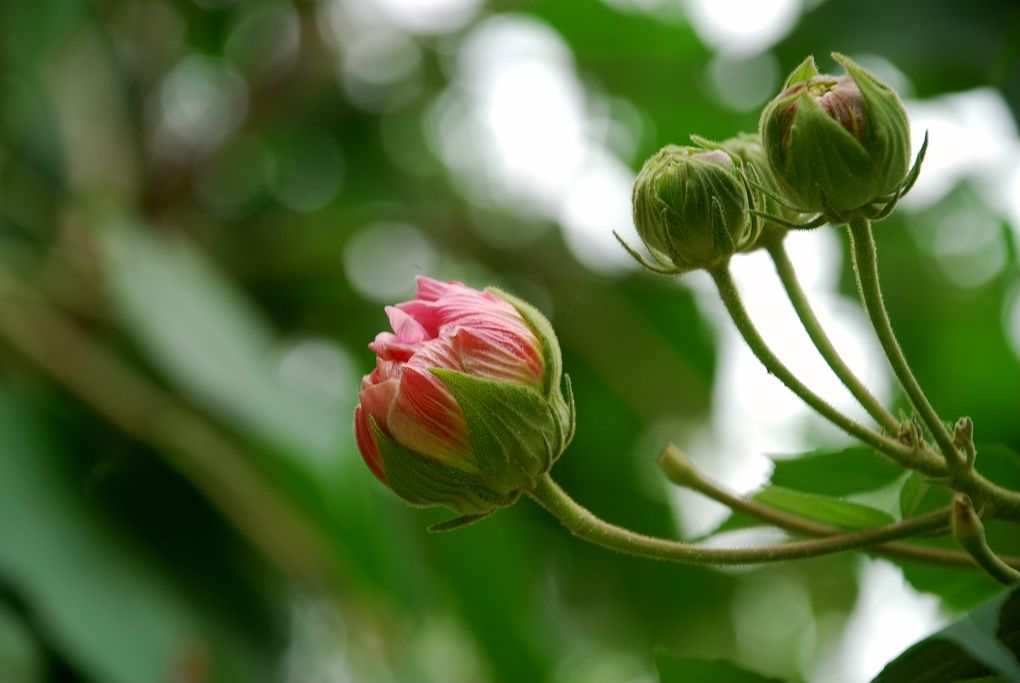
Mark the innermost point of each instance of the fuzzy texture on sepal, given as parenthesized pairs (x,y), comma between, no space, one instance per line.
(774,214)
(690,207)
(836,145)
(468,405)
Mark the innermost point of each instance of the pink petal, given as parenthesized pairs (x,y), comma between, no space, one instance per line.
(378,400)
(426,313)
(428,289)
(406,327)
(387,347)
(426,419)
(498,354)
(367,445)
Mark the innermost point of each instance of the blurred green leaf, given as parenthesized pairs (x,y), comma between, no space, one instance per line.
(21,659)
(914,488)
(887,498)
(835,473)
(107,606)
(984,641)
(823,508)
(676,669)
(208,340)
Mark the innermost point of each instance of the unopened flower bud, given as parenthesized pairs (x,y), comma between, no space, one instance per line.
(467,406)
(691,207)
(748,149)
(837,145)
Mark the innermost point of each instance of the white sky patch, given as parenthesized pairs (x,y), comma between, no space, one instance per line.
(339,19)
(597,203)
(518,130)
(742,27)
(972,136)
(889,617)
(753,413)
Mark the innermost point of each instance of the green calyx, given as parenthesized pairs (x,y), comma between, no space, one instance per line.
(691,208)
(766,204)
(516,433)
(838,146)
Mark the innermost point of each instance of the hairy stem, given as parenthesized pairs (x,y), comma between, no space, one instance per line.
(813,327)
(865,262)
(919,460)
(583,524)
(682,472)
(970,534)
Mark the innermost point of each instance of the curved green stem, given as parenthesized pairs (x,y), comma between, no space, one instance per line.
(821,340)
(682,472)
(970,534)
(919,460)
(865,262)
(583,524)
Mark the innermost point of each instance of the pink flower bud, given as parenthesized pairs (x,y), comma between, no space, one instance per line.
(410,415)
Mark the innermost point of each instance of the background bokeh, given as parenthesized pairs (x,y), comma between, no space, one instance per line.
(203,208)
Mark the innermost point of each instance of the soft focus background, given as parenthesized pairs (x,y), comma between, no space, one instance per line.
(203,208)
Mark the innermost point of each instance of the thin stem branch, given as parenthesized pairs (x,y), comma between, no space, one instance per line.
(914,459)
(682,472)
(583,524)
(865,262)
(970,534)
(788,276)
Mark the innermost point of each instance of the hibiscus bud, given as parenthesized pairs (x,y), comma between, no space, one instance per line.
(747,148)
(690,207)
(837,145)
(468,405)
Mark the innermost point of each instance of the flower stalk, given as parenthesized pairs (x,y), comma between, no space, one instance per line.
(865,264)
(788,276)
(916,459)
(585,525)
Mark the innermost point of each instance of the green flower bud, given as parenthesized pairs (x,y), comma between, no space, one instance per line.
(691,207)
(748,150)
(837,145)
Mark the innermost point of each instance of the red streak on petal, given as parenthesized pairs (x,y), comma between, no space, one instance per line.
(426,418)
(367,445)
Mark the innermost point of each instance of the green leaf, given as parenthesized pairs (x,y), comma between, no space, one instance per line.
(677,669)
(835,511)
(835,473)
(207,340)
(888,498)
(983,642)
(912,493)
(108,607)
(21,658)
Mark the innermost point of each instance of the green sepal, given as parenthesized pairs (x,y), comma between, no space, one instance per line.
(829,155)
(804,71)
(888,129)
(567,413)
(543,329)
(458,522)
(422,481)
(514,434)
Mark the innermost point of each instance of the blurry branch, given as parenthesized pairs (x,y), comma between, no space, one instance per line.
(681,471)
(146,412)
